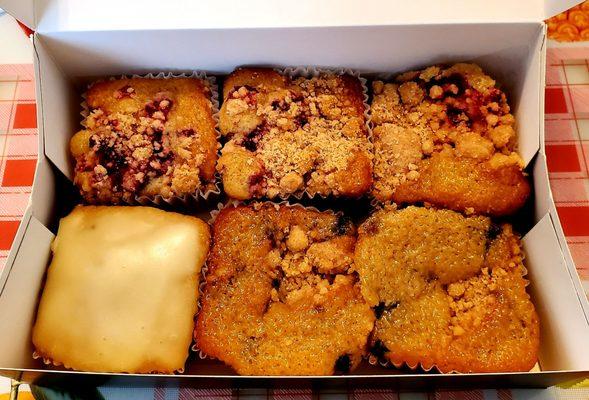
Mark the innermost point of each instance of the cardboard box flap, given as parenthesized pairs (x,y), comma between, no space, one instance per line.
(22,10)
(74,15)
(23,280)
(562,331)
(85,15)
(554,7)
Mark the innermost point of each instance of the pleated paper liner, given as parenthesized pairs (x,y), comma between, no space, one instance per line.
(58,365)
(211,189)
(417,367)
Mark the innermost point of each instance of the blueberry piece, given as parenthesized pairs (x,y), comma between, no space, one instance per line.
(378,310)
(343,225)
(379,349)
(343,363)
(382,307)
(493,232)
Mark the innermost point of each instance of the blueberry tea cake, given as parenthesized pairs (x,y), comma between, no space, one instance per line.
(446,136)
(281,297)
(448,291)
(286,136)
(146,137)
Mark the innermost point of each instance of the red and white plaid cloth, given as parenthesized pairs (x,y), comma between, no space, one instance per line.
(567,152)
(18,148)
(567,137)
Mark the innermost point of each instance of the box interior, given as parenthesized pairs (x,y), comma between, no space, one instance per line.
(513,53)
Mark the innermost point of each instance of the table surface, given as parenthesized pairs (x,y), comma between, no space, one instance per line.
(567,150)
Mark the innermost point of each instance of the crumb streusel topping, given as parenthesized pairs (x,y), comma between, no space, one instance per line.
(129,151)
(294,136)
(443,127)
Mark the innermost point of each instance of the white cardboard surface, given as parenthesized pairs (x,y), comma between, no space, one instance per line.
(19,295)
(23,10)
(553,7)
(63,100)
(543,200)
(564,332)
(87,15)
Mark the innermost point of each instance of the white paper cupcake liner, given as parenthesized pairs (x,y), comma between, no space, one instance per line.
(376,361)
(51,363)
(186,199)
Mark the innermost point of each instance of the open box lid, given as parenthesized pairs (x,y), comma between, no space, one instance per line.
(89,15)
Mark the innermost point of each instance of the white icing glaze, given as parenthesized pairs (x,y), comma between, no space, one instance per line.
(121,290)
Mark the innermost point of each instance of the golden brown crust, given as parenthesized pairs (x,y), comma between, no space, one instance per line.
(356,177)
(449,291)
(446,136)
(448,182)
(253,77)
(289,136)
(146,137)
(280,295)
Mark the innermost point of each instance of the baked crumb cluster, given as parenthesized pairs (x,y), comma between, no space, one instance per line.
(446,136)
(280,295)
(289,136)
(448,291)
(145,137)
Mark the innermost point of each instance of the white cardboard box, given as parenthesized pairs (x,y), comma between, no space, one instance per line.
(77,40)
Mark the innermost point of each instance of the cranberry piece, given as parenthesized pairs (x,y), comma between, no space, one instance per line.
(447,82)
(158,105)
(125,91)
(454,114)
(251,140)
(256,183)
(301,120)
(186,132)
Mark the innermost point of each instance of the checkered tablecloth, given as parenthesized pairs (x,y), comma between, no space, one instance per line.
(567,152)
(567,147)
(18,148)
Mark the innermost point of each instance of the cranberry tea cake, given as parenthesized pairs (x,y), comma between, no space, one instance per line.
(146,137)
(289,136)
(446,136)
